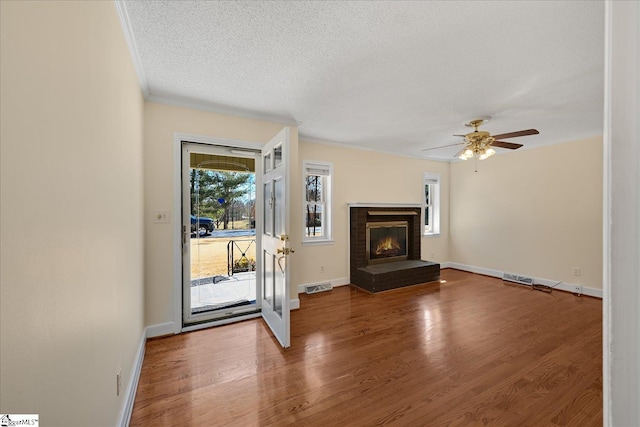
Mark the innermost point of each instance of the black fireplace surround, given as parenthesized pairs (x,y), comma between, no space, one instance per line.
(388,270)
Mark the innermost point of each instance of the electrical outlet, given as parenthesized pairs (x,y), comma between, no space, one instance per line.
(576,271)
(577,289)
(322,269)
(161,217)
(118,382)
(433,255)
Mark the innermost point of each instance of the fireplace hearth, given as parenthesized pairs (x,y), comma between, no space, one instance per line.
(385,249)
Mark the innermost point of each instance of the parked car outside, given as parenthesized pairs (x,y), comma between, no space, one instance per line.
(202,225)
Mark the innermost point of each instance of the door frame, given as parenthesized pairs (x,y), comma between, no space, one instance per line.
(211,317)
(178,138)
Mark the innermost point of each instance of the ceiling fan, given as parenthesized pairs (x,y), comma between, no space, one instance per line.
(479,143)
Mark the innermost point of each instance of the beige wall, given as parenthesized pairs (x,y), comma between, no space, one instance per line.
(367,177)
(161,123)
(536,212)
(71,212)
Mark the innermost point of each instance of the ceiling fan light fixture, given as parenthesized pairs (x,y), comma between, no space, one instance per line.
(479,143)
(486,153)
(466,154)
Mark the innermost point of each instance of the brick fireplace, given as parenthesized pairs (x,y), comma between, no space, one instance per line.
(385,248)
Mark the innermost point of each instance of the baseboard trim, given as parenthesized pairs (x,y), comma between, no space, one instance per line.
(568,287)
(563,286)
(474,269)
(132,387)
(161,329)
(340,281)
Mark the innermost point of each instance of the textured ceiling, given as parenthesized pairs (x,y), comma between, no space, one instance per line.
(390,76)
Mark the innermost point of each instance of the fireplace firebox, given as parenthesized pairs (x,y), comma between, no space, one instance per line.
(387,241)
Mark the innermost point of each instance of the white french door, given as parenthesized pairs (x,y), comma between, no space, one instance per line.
(275,248)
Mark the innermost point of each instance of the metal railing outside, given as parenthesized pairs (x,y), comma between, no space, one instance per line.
(237,259)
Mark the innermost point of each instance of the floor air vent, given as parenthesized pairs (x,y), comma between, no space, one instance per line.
(319,287)
(523,280)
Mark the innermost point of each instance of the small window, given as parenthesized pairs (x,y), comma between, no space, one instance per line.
(431,200)
(317,201)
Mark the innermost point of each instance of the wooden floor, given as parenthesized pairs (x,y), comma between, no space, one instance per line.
(475,352)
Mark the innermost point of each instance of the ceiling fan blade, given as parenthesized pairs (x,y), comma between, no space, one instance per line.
(515,134)
(509,145)
(442,146)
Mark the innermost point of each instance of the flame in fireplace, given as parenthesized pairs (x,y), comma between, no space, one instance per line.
(388,247)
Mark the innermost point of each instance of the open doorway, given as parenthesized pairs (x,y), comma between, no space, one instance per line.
(219,233)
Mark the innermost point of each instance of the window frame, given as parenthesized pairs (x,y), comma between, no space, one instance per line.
(433,180)
(327,219)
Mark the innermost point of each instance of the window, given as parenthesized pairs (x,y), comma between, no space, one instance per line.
(431,183)
(317,201)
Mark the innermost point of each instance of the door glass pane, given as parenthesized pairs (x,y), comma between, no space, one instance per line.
(278,207)
(267,162)
(277,156)
(268,209)
(267,281)
(222,247)
(279,287)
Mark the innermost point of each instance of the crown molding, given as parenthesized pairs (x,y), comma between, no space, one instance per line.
(211,107)
(302,137)
(131,42)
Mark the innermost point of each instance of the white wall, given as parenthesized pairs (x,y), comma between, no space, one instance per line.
(161,122)
(367,177)
(622,216)
(535,212)
(71,280)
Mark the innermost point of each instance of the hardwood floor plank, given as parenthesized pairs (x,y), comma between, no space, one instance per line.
(476,351)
